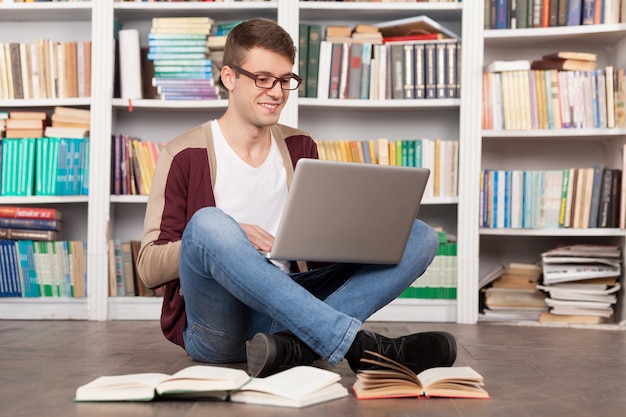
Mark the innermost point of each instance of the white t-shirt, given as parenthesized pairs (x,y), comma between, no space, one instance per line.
(248,194)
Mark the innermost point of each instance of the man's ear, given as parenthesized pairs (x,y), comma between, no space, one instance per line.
(227,77)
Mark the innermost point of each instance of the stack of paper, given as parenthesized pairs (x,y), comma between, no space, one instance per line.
(581,282)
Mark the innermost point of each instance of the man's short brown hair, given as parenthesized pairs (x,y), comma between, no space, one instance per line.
(258,32)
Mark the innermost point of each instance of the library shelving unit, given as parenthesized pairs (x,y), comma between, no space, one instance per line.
(550,149)
(60,22)
(102,216)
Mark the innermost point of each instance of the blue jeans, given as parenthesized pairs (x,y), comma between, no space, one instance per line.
(231,292)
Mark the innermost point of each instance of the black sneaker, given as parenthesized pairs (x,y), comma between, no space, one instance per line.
(271,353)
(417,351)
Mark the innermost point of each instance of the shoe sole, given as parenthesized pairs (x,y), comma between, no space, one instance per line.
(261,353)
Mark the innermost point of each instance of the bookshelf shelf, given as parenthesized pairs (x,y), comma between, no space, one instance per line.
(44,199)
(28,12)
(600,232)
(346,10)
(221,11)
(564,134)
(119,103)
(381,105)
(583,35)
(70,102)
(133,199)
(43,308)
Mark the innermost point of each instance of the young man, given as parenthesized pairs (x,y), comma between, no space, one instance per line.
(217,195)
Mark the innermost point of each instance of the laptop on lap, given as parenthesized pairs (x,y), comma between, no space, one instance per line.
(349,212)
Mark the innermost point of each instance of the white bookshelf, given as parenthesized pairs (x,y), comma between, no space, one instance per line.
(551,149)
(101,215)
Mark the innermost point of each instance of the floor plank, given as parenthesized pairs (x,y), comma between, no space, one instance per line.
(529,371)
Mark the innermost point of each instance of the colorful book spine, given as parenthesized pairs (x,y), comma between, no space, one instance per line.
(30,212)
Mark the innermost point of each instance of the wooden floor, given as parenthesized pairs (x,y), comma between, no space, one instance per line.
(529,371)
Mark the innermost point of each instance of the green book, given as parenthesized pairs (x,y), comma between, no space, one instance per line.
(303,48)
(313,56)
(399,152)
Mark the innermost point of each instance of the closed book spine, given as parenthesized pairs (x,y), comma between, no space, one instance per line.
(28,234)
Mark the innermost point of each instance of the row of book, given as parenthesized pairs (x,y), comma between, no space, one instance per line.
(44,166)
(519,14)
(124,278)
(440,156)
(364,64)
(543,199)
(133,164)
(574,284)
(43,268)
(439,281)
(45,69)
(552,99)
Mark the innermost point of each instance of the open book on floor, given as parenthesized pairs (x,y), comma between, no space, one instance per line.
(394,380)
(297,387)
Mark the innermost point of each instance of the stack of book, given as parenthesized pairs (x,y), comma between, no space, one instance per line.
(566,60)
(29,223)
(440,279)
(513,293)
(33,263)
(581,282)
(25,124)
(68,122)
(179,52)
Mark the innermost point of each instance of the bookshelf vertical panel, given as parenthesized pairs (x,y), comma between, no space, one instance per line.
(100,155)
(469,161)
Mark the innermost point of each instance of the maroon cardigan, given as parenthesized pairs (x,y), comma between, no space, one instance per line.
(183,184)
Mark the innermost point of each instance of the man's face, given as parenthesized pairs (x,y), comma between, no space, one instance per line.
(261,107)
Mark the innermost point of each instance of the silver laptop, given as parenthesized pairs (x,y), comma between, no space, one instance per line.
(349,212)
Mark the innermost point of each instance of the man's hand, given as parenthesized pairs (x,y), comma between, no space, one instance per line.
(259,238)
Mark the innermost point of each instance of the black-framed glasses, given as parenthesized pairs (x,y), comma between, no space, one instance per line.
(267,82)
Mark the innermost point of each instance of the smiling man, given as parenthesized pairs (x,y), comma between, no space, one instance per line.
(218,192)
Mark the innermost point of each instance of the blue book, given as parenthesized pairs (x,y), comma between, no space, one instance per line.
(574,12)
(163,55)
(30,287)
(40,224)
(502,13)
(153,35)
(589,12)
(10,283)
(177,49)
(177,42)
